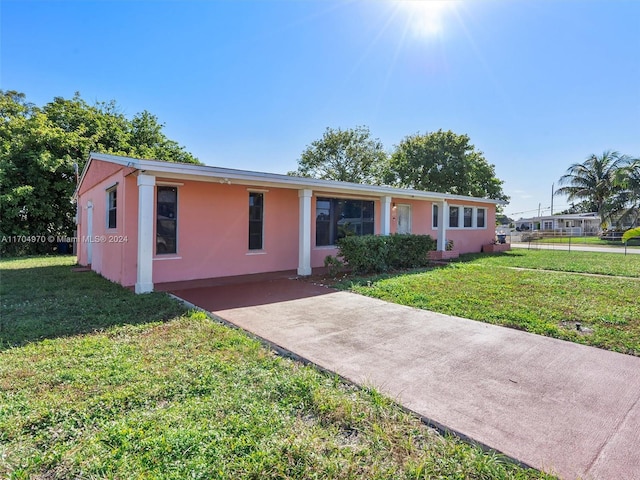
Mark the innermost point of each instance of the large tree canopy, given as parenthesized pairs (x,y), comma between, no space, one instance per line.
(40,149)
(443,162)
(350,155)
(599,180)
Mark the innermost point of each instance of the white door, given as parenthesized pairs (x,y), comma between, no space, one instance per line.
(89,232)
(404,218)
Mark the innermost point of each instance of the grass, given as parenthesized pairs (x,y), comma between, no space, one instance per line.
(41,299)
(482,287)
(116,385)
(580,240)
(613,264)
(585,241)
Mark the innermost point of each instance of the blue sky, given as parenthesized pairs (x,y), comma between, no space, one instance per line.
(537,85)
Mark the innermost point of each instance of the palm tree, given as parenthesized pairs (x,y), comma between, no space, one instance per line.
(628,178)
(597,181)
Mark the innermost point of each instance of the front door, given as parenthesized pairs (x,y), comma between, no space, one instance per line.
(404,218)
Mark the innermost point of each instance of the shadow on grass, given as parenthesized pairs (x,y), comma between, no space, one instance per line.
(53,301)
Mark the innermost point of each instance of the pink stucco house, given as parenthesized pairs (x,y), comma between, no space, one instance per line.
(144,222)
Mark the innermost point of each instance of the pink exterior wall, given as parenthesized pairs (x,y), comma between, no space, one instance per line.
(471,240)
(213,221)
(465,240)
(420,216)
(213,233)
(108,244)
(97,173)
(81,227)
(130,222)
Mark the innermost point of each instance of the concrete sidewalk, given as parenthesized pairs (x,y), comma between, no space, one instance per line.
(560,407)
(577,247)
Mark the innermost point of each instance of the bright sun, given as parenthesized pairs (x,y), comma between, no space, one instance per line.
(426,17)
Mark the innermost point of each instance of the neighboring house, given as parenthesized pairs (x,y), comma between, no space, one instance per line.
(570,224)
(145,222)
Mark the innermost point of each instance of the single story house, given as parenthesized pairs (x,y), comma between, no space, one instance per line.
(144,222)
(569,224)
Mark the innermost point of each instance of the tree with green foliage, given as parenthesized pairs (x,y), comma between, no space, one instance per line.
(584,206)
(350,155)
(628,179)
(42,149)
(443,162)
(596,181)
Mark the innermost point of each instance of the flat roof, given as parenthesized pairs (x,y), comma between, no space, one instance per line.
(188,171)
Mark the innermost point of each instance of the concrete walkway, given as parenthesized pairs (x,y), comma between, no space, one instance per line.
(560,407)
(578,247)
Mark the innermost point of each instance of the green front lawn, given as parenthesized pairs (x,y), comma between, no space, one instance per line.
(586,241)
(126,386)
(580,240)
(42,298)
(614,264)
(484,288)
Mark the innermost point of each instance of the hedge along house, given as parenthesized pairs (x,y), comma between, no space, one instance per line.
(146,222)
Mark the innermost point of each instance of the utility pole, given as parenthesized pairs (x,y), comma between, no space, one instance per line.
(552,187)
(539,205)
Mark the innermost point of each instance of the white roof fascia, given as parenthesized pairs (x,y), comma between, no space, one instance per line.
(81,179)
(124,161)
(226,175)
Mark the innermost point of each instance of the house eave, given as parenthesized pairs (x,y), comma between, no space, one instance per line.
(182,171)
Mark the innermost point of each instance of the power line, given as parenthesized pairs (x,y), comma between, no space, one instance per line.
(544,209)
(529,211)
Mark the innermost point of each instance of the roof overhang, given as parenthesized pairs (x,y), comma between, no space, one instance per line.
(205,173)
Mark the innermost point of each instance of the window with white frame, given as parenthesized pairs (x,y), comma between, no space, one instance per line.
(461,216)
(337,218)
(256,219)
(112,204)
(434,220)
(454,216)
(166,220)
(481,215)
(468,217)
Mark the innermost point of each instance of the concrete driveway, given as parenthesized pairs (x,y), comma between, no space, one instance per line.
(560,407)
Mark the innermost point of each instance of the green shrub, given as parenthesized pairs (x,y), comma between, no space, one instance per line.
(333,265)
(379,253)
(410,251)
(367,253)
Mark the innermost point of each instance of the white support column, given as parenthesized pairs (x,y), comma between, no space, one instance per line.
(385,216)
(443,215)
(304,232)
(146,187)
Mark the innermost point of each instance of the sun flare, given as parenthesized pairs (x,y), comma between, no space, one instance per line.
(426,17)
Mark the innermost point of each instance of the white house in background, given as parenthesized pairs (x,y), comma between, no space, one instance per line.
(570,224)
